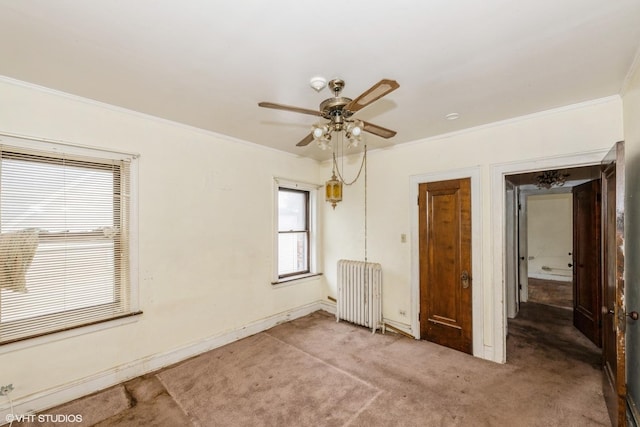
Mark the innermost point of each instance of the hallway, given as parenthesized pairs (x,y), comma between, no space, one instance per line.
(549,331)
(545,335)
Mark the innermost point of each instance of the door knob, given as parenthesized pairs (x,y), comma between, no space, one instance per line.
(633,315)
(465,279)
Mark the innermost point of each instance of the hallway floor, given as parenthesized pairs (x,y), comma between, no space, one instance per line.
(551,292)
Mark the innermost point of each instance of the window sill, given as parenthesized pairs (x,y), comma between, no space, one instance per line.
(286,281)
(69,333)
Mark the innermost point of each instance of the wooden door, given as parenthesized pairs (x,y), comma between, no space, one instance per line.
(586,260)
(511,243)
(445,263)
(523,249)
(614,319)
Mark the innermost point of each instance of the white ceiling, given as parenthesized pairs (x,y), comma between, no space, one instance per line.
(208,63)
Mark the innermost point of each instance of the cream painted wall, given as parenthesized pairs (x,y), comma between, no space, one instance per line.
(631,103)
(550,235)
(205,236)
(578,129)
(196,243)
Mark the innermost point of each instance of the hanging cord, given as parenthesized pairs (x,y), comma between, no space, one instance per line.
(339,147)
(363,165)
(341,136)
(335,165)
(365,204)
(366,259)
(364,162)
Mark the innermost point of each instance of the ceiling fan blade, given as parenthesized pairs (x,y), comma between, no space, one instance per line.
(288,108)
(378,130)
(375,92)
(305,141)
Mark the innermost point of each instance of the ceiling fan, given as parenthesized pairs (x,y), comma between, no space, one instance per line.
(338,110)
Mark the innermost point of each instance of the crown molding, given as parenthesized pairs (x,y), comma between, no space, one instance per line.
(144,116)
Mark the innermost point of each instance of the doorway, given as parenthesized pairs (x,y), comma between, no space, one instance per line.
(552,247)
(544,246)
(474,174)
(612,260)
(498,173)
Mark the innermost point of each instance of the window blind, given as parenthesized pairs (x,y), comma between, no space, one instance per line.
(64,242)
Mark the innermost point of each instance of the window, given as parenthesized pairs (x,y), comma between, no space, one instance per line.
(295,235)
(64,242)
(293,232)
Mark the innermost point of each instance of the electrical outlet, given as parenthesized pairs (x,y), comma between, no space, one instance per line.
(403,313)
(6,389)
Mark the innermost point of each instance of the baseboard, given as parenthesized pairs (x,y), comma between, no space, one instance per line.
(553,277)
(632,412)
(328,306)
(68,392)
(489,354)
(404,327)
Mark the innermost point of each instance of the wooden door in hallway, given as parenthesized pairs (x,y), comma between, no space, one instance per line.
(445,263)
(613,307)
(586,260)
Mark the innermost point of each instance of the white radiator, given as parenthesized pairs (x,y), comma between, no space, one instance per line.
(360,293)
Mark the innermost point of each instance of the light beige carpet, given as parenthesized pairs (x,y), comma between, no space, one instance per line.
(316,372)
(262,381)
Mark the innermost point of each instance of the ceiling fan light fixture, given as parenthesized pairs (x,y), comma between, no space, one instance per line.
(324,144)
(354,142)
(322,135)
(353,132)
(317,131)
(338,111)
(356,129)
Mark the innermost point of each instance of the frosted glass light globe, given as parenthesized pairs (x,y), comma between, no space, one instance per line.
(318,132)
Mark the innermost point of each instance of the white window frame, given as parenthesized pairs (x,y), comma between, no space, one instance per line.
(57,149)
(313,229)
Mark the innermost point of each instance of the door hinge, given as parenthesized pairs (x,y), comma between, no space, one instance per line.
(519,286)
(519,206)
